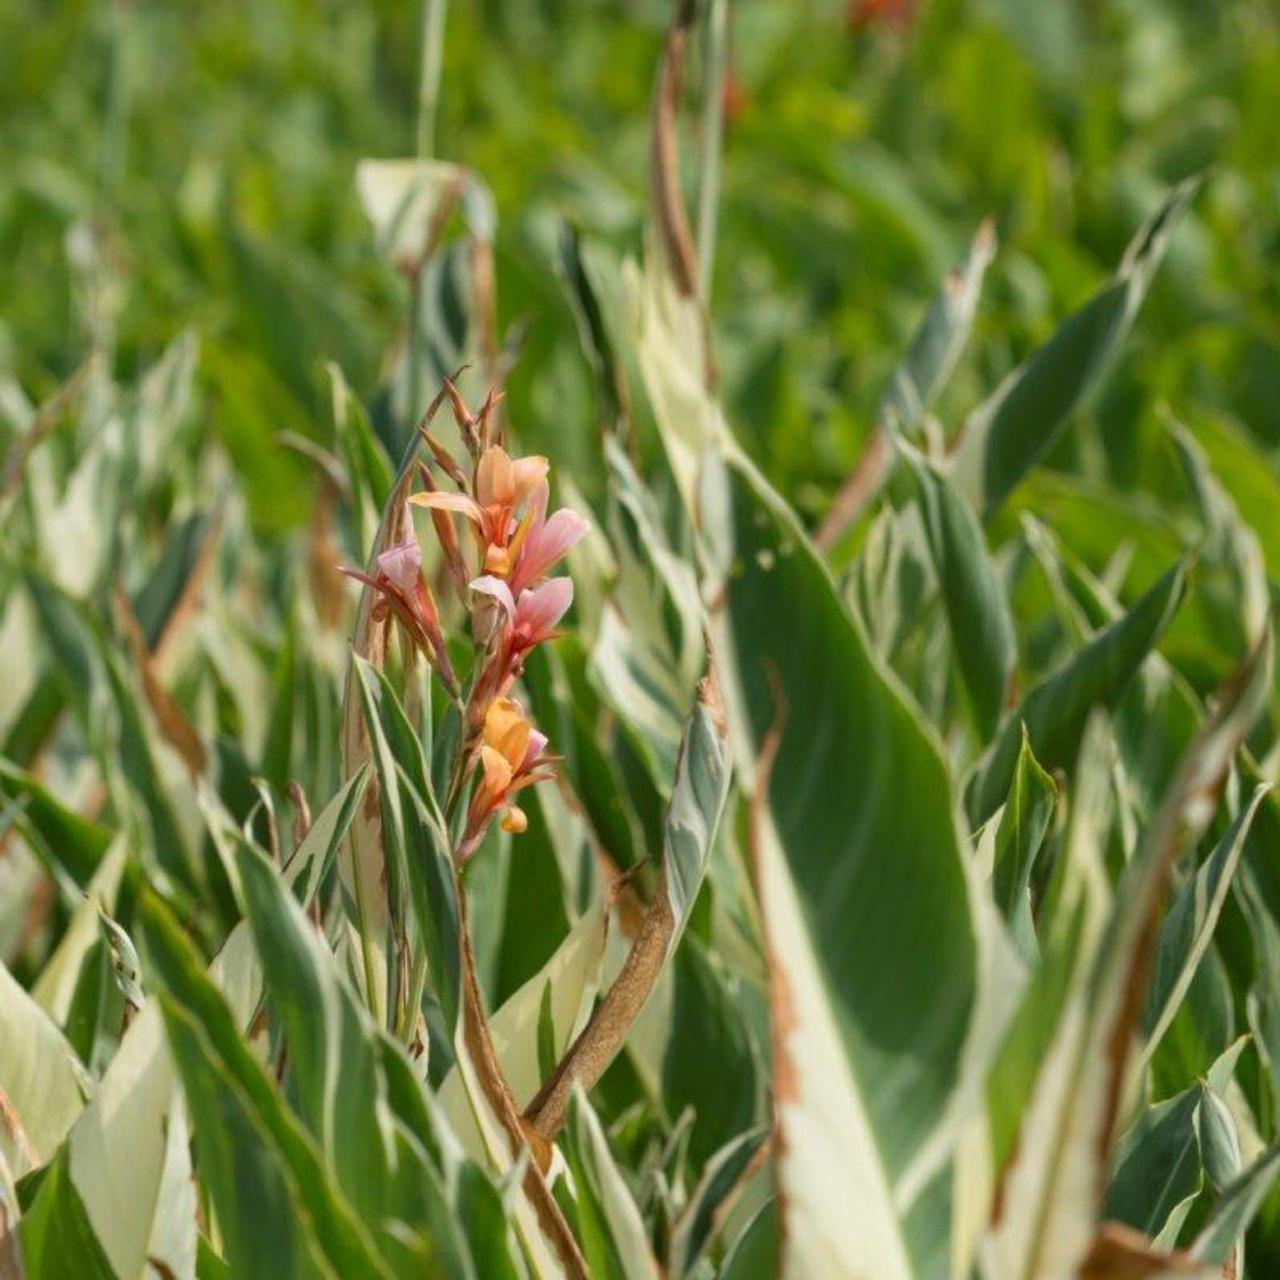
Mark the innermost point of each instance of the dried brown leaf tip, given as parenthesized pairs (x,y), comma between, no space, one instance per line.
(1121,1253)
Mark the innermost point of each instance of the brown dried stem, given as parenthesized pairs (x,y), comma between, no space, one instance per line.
(601,1039)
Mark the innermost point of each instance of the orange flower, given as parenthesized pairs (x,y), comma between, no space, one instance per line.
(502,486)
(511,758)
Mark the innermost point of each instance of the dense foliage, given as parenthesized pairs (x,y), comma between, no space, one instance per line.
(639,644)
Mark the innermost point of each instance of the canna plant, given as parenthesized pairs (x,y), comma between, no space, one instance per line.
(687,893)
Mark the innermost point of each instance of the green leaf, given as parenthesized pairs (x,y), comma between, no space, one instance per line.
(1006,436)
(855,775)
(267,1225)
(1219,1142)
(1188,927)
(1055,711)
(415,843)
(1235,1209)
(1057,1176)
(698,797)
(121,1144)
(615,1242)
(483,1221)
(57,1237)
(72,846)
(253,1151)
(338,1086)
(1158,1168)
(754,1254)
(1024,823)
(972,593)
(566,986)
(711,1199)
(707,1025)
(536,918)
(54,988)
(941,337)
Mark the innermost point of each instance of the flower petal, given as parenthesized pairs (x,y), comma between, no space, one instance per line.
(495,483)
(441,501)
(488,585)
(497,771)
(545,545)
(527,474)
(538,610)
(401,564)
(507,731)
(537,745)
(499,716)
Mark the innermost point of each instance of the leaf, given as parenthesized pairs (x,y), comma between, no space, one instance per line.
(707,1025)
(57,1238)
(1074,910)
(483,1220)
(1219,1142)
(916,382)
(412,834)
(972,593)
(754,1254)
(73,846)
(1188,926)
(1237,590)
(43,1086)
(513,1147)
(1006,436)
(574,263)
(120,1143)
(668,339)
(941,337)
(721,1180)
(1055,711)
(262,1169)
(95,676)
(1236,1208)
(537,917)
(335,1067)
(368,467)
(404,199)
(1051,1192)
(361,865)
(1158,1168)
(56,985)
(615,1241)
(417,851)
(1024,823)
(697,801)
(855,774)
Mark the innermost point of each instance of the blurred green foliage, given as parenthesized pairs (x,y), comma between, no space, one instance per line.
(218,143)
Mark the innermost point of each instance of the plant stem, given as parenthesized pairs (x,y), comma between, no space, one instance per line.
(715,69)
(408,1019)
(596,1047)
(433,13)
(366,945)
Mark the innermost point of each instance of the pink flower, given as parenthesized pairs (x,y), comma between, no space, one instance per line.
(401,565)
(402,590)
(531,618)
(539,543)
